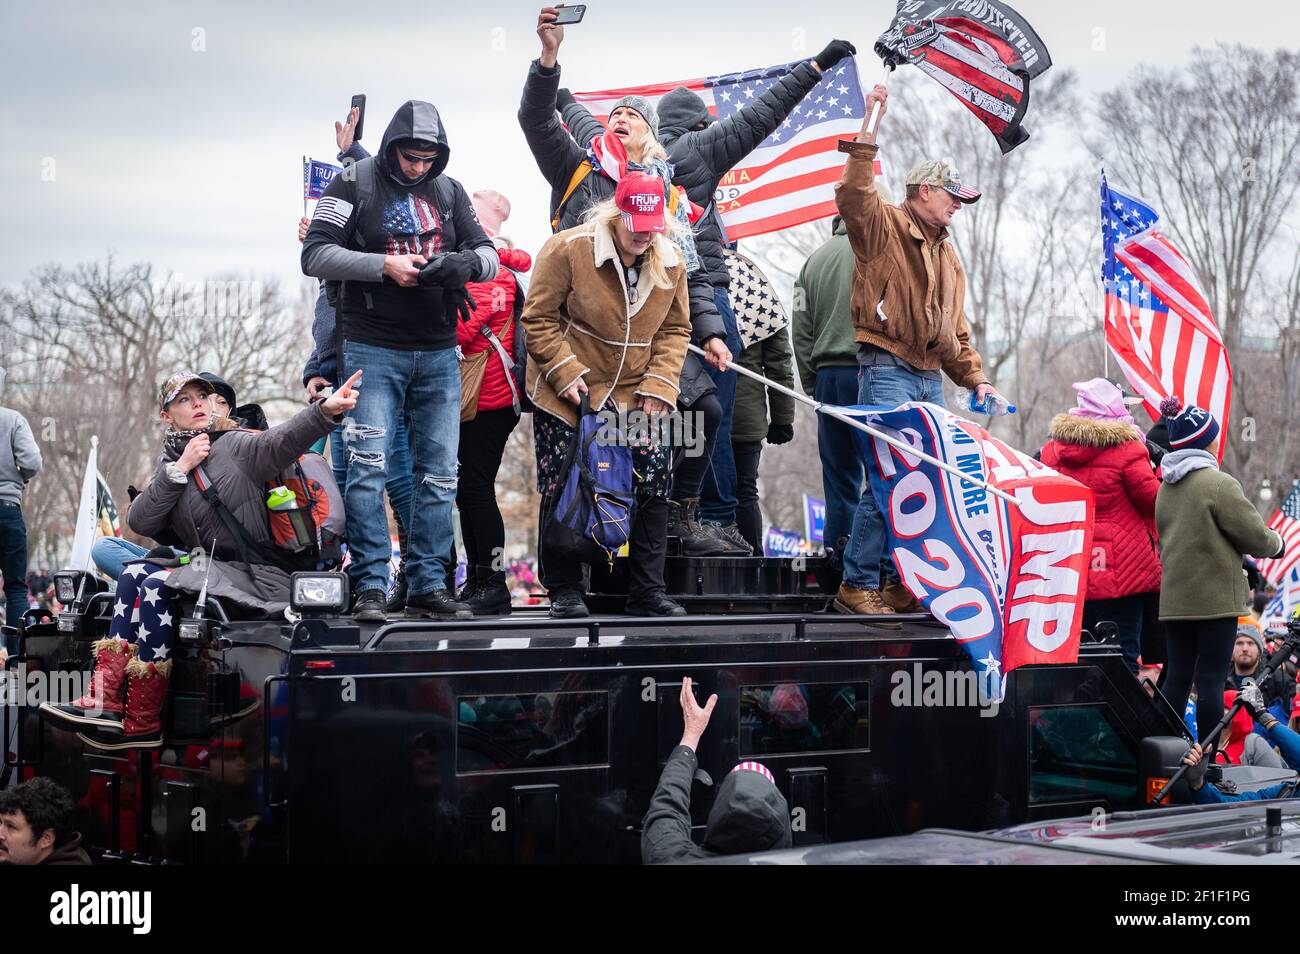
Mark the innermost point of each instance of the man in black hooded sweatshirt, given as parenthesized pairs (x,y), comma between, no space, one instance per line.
(403,239)
(748,814)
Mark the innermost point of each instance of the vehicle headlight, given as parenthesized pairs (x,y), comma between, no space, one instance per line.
(319,592)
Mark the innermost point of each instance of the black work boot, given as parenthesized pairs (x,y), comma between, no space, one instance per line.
(369,607)
(490,596)
(396,601)
(684,526)
(439,603)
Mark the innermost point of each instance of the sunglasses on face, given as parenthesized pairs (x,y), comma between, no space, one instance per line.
(417,160)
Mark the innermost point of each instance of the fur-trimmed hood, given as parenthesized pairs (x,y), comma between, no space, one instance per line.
(1080,439)
(1072,429)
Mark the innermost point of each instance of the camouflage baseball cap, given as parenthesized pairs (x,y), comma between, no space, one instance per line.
(176,383)
(942,174)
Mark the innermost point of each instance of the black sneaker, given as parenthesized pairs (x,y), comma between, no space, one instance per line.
(396,601)
(730,537)
(490,597)
(437,604)
(684,526)
(568,604)
(656,603)
(369,607)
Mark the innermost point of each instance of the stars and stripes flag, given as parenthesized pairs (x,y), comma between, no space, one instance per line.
(1282,604)
(790,177)
(982,52)
(1287,523)
(1158,322)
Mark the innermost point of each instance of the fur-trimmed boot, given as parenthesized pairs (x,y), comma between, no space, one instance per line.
(146,692)
(101,706)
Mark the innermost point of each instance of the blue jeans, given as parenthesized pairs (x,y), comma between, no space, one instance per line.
(843,468)
(13,562)
(110,554)
(425,387)
(883,381)
(718,492)
(400,482)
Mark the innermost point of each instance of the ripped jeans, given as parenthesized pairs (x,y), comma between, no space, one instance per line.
(425,387)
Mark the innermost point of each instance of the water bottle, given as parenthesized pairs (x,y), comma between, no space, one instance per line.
(994,405)
(283,500)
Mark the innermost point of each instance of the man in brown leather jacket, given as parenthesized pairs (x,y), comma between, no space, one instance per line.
(907,301)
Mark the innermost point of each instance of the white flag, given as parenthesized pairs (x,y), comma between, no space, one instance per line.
(87,512)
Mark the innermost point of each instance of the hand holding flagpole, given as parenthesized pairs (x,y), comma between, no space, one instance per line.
(832,411)
(877,105)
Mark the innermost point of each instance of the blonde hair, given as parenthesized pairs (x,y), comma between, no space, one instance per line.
(645,148)
(604,214)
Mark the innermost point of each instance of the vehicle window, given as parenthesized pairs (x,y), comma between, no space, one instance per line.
(803,717)
(531,730)
(1075,752)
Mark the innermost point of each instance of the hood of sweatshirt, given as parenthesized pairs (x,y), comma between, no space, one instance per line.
(680,111)
(1176,465)
(748,814)
(414,119)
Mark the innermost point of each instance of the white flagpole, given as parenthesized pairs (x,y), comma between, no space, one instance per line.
(831,411)
(875,107)
(87,512)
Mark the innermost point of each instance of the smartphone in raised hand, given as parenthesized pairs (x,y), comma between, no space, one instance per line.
(564,15)
(359,104)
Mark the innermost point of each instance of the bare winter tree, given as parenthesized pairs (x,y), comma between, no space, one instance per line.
(1217,145)
(86,348)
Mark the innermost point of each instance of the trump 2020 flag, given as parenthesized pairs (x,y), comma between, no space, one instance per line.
(1008,580)
(316,175)
(982,52)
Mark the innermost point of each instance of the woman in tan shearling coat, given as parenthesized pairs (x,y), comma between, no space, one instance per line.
(607,316)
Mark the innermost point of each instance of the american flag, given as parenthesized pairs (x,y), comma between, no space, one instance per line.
(1282,604)
(1287,523)
(790,178)
(984,53)
(1158,323)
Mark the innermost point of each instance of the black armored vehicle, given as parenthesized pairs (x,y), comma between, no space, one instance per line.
(532,740)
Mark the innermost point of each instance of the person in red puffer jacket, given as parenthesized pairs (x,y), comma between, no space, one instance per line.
(483,437)
(1098,444)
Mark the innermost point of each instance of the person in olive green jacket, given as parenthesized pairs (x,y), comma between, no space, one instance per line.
(760,414)
(826,354)
(1205,524)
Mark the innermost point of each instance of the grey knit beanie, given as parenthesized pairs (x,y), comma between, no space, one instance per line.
(644,108)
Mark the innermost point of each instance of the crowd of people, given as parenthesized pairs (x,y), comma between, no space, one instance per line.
(433,335)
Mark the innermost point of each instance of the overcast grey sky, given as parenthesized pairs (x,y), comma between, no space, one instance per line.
(191,158)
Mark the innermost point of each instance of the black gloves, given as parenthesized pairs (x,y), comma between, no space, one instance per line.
(1196,774)
(780,433)
(835,51)
(458,302)
(1252,572)
(451,270)
(563,99)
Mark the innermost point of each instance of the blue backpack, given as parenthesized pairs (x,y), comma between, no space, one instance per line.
(589,516)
